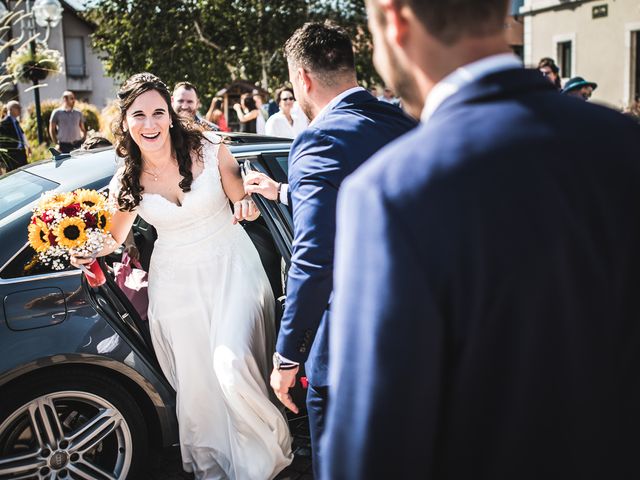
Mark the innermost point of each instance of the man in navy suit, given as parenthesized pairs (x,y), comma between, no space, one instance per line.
(348,125)
(486,318)
(12,137)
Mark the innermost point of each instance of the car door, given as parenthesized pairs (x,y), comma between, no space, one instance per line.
(276,215)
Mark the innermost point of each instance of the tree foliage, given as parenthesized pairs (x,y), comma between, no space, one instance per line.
(213,42)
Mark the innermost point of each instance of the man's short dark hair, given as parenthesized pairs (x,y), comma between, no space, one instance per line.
(321,48)
(448,20)
(186,86)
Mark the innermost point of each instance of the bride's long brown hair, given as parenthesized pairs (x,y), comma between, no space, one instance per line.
(186,139)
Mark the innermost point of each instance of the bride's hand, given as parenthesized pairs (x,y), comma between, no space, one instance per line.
(245,209)
(77,260)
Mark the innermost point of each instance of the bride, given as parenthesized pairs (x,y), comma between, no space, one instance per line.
(211,308)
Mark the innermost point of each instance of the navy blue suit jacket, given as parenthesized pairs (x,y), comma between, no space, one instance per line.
(321,157)
(486,320)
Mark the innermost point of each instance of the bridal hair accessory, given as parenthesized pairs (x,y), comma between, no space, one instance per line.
(141,80)
(71,223)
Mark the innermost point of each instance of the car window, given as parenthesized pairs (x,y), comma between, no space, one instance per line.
(283,161)
(20,189)
(277,165)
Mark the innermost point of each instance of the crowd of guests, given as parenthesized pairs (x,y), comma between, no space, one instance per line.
(279,116)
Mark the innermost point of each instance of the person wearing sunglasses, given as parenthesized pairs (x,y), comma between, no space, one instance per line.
(284,123)
(547,66)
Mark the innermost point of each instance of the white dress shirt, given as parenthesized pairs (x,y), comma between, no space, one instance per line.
(279,126)
(465,75)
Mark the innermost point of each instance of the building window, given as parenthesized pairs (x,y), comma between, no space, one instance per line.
(74,53)
(565,58)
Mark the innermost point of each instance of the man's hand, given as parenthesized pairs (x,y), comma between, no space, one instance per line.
(255,182)
(245,209)
(281,382)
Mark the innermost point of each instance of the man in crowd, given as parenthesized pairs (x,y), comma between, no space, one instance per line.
(12,138)
(66,126)
(485,318)
(185,101)
(347,126)
(578,87)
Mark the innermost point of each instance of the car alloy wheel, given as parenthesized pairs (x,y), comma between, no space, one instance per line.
(66,435)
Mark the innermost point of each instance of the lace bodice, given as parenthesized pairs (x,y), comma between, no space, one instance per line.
(205,210)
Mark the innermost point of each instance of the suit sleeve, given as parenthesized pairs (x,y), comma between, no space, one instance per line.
(314,178)
(386,345)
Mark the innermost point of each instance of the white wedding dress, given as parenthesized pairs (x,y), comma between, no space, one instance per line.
(211,315)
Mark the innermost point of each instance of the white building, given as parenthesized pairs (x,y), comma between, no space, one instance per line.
(595,39)
(82,72)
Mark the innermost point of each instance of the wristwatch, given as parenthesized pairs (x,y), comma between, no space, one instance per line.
(280,364)
(278,192)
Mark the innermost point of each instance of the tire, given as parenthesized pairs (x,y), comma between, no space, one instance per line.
(99,428)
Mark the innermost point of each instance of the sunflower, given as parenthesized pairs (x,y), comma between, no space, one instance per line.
(55,200)
(70,232)
(90,199)
(39,236)
(104,220)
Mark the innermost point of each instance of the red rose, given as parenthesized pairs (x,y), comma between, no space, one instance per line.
(46,218)
(52,239)
(90,220)
(71,210)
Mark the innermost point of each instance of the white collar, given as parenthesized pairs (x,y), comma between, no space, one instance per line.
(336,100)
(465,75)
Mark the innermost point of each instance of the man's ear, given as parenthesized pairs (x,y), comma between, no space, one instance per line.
(396,17)
(305,79)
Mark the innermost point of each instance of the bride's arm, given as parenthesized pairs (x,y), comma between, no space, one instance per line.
(121,224)
(243,206)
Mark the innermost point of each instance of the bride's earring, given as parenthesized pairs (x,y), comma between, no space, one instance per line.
(171,125)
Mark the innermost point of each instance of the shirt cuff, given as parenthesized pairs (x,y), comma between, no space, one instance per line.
(284,359)
(284,194)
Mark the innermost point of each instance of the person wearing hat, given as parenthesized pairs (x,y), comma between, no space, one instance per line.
(579,87)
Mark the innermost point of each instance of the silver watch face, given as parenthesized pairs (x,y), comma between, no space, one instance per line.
(276,361)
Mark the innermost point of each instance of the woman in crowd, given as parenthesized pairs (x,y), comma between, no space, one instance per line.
(216,115)
(247,113)
(285,123)
(551,71)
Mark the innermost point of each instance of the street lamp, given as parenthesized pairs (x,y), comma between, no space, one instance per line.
(46,14)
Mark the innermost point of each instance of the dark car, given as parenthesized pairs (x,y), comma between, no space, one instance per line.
(81,393)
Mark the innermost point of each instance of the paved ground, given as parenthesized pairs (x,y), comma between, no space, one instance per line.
(166,465)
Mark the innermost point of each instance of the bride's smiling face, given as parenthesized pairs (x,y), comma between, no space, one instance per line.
(148,121)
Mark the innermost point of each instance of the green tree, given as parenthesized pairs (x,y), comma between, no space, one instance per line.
(213,42)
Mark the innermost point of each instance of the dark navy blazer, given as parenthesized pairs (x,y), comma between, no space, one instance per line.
(486,320)
(320,158)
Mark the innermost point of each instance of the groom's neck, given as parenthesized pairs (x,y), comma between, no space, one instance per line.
(324,94)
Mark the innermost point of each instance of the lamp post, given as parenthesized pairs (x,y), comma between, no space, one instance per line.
(47,14)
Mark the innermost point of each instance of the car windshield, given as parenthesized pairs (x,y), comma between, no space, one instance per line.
(20,189)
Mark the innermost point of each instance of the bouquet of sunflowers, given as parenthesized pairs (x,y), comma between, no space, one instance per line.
(76,223)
